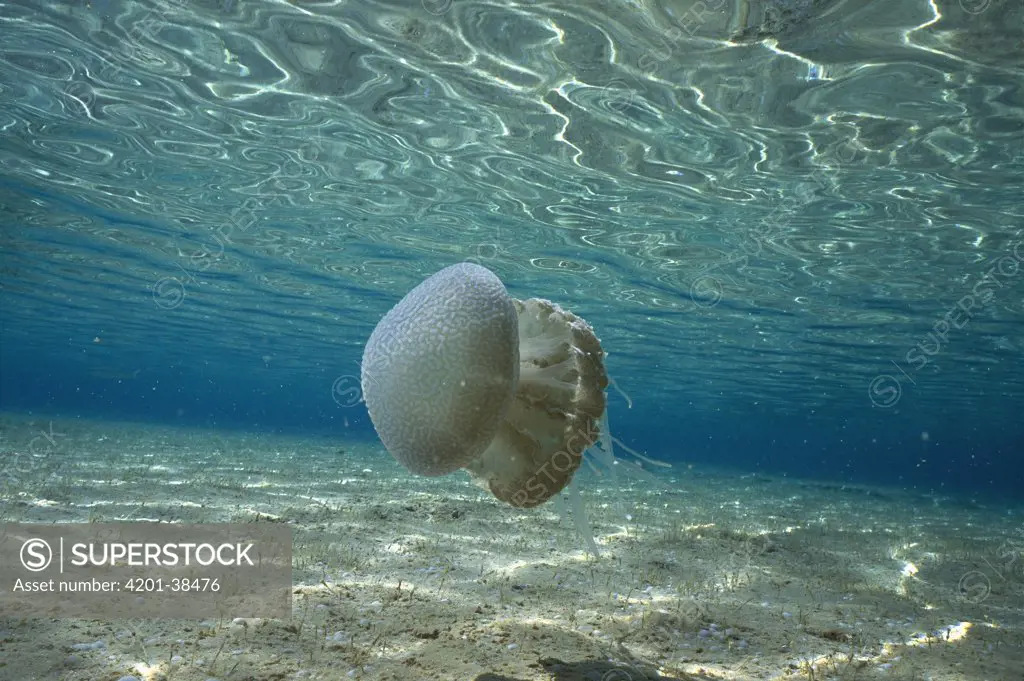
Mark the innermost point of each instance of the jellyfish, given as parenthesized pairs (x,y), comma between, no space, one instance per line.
(461,376)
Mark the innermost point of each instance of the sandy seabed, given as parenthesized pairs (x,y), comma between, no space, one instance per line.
(702,574)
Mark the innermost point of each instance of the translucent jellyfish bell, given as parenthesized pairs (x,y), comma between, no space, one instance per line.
(460,375)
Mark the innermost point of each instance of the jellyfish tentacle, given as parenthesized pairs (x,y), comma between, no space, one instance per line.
(461,375)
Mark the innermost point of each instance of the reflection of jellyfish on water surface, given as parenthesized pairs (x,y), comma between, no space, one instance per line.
(460,375)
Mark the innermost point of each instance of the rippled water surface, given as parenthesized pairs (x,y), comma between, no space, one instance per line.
(780,206)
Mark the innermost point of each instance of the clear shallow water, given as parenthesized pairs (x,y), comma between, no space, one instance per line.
(795,226)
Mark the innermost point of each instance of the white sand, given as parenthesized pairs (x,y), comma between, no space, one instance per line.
(703,575)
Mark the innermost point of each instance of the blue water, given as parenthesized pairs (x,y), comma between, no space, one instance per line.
(795,226)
